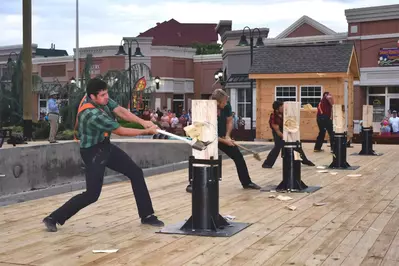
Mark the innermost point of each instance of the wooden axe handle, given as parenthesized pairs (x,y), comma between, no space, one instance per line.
(242,147)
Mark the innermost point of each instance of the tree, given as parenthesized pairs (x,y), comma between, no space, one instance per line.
(212,48)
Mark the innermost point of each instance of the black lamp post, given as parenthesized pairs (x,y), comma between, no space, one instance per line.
(9,60)
(157,81)
(219,76)
(259,43)
(137,53)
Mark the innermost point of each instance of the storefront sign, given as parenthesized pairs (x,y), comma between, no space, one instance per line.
(388,57)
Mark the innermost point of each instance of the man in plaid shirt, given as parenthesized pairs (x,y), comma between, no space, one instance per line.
(95,125)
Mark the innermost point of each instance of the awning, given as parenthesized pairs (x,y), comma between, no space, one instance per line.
(235,78)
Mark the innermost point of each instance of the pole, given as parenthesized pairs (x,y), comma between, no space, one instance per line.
(77,45)
(27,68)
(130,76)
(252,86)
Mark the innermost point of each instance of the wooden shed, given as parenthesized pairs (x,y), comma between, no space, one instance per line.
(303,73)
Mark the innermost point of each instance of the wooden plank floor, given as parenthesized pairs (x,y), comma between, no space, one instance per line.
(358,225)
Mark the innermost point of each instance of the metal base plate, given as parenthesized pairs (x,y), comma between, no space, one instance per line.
(375,154)
(348,168)
(227,231)
(309,189)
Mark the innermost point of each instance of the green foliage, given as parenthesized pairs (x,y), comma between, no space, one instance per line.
(212,48)
(65,135)
(41,130)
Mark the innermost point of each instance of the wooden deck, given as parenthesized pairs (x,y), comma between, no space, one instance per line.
(358,225)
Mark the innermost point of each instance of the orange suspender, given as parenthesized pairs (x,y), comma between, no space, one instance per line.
(82,107)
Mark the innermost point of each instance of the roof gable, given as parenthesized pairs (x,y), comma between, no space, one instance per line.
(332,58)
(311,23)
(174,33)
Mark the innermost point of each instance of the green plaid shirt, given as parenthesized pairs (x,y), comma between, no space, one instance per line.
(94,122)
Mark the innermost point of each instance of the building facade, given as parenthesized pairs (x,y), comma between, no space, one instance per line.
(183,74)
(374,31)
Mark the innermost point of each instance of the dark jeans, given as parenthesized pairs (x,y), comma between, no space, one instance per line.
(278,146)
(325,124)
(234,153)
(96,158)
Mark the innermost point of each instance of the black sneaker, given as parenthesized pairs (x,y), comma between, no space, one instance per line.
(307,162)
(152,220)
(251,186)
(266,166)
(50,223)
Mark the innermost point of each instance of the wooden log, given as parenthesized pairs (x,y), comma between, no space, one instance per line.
(292,120)
(206,111)
(339,121)
(367,116)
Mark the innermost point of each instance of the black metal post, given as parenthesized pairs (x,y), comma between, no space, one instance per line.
(367,141)
(205,219)
(205,196)
(251,104)
(339,151)
(291,169)
(130,75)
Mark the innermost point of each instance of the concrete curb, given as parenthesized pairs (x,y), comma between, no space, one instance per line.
(70,187)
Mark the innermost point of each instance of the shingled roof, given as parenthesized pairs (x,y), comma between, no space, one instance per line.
(320,58)
(174,33)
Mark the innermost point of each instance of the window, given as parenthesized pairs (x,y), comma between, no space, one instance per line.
(244,102)
(353,28)
(42,106)
(311,95)
(286,93)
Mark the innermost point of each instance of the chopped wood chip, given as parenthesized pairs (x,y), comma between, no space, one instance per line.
(283,198)
(105,250)
(273,191)
(354,175)
(321,167)
(333,173)
(322,171)
(297,156)
(292,208)
(272,196)
(319,204)
(229,217)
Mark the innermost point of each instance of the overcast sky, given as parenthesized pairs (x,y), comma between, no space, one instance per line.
(105,22)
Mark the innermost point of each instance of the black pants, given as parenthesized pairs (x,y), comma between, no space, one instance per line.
(234,153)
(96,158)
(325,124)
(278,146)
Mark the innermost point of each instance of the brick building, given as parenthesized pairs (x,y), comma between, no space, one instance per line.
(375,33)
(168,53)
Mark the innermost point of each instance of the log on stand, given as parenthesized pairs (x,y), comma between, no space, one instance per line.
(367,132)
(205,172)
(340,140)
(291,159)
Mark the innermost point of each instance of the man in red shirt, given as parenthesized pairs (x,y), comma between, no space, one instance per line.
(324,121)
(276,123)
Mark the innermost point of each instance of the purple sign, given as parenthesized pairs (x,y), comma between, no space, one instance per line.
(388,57)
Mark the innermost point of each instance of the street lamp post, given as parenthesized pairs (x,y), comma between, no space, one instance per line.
(157,81)
(137,53)
(259,43)
(219,77)
(9,60)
